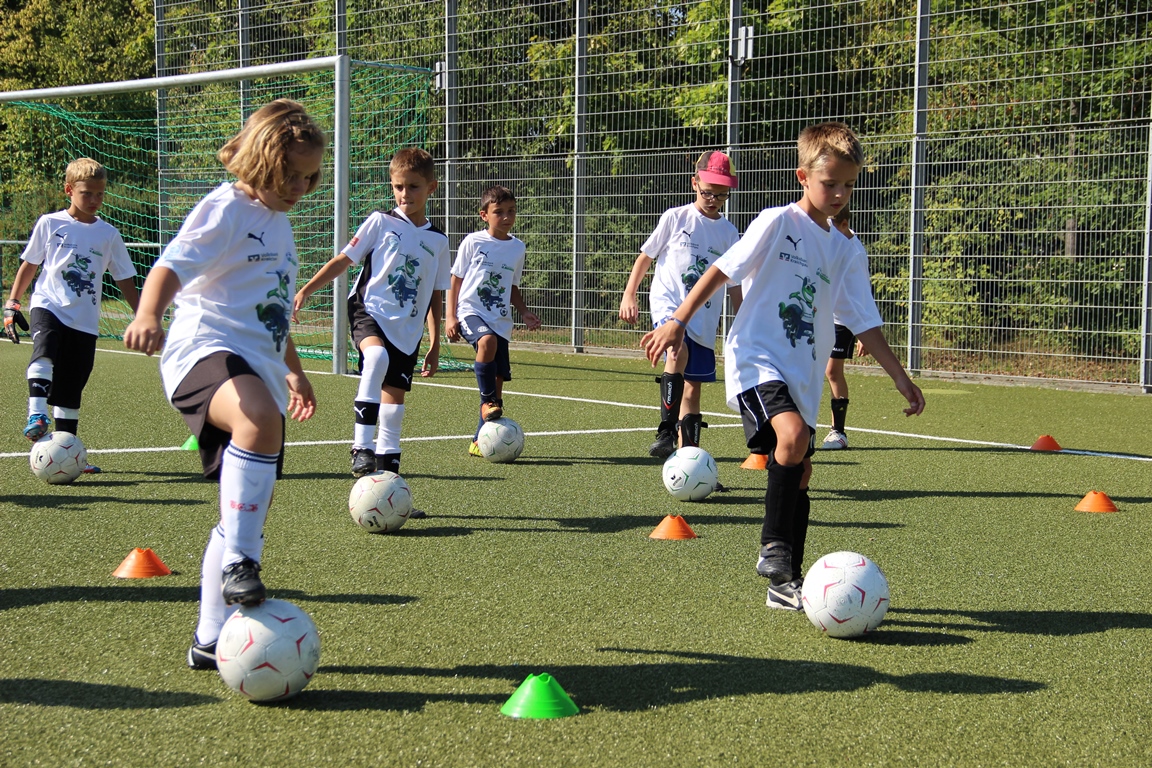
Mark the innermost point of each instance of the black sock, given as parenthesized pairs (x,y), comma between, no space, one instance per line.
(67,425)
(839,413)
(366,412)
(671,393)
(780,502)
(690,427)
(39,387)
(388,462)
(800,532)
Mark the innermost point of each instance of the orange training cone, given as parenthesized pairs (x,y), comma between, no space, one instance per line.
(672,527)
(755,461)
(141,564)
(1046,443)
(1095,501)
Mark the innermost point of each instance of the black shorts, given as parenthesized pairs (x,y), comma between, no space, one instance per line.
(472,328)
(194,394)
(72,352)
(757,407)
(401,365)
(845,343)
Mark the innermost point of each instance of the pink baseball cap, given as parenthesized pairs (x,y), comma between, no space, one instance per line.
(716,168)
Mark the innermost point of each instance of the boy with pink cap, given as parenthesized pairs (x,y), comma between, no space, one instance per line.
(685,243)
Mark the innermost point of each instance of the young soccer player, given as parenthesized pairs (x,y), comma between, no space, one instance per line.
(794,271)
(229,364)
(75,247)
(688,239)
(841,349)
(402,281)
(489,264)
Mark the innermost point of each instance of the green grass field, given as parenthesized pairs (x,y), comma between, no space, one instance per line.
(1019,633)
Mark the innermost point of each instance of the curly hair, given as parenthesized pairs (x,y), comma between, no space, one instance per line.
(258,154)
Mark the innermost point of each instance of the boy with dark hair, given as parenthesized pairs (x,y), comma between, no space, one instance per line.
(75,247)
(794,271)
(488,264)
(401,283)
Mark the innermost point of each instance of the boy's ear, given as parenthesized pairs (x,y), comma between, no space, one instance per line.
(432,186)
(802,176)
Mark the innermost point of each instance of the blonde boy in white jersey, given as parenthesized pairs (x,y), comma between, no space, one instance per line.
(75,247)
(794,271)
(687,240)
(488,265)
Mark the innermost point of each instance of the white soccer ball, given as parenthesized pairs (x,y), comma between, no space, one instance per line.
(845,595)
(269,651)
(58,458)
(501,440)
(380,502)
(690,474)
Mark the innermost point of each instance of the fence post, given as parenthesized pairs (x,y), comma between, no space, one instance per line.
(578,174)
(450,83)
(1146,291)
(341,152)
(244,24)
(916,223)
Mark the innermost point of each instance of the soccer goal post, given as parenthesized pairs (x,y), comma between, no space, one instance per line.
(158,138)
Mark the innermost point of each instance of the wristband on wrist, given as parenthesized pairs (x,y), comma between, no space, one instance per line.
(679,322)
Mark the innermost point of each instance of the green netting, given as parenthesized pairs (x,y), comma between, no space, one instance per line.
(160,150)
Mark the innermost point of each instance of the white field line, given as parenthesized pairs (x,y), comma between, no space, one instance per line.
(890,433)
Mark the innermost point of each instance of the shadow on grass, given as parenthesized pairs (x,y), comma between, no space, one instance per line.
(32,596)
(1051,623)
(693,514)
(635,684)
(58,501)
(78,695)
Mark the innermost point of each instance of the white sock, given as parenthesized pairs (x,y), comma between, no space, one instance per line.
(37,405)
(64,413)
(40,368)
(388,438)
(246,483)
(371,381)
(213,611)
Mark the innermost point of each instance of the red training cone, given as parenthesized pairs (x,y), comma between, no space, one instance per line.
(1046,443)
(672,527)
(141,564)
(1095,501)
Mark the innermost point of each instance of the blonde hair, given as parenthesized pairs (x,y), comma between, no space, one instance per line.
(258,154)
(84,169)
(820,142)
(413,160)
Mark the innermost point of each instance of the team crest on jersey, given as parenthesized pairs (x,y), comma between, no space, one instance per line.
(799,314)
(404,282)
(274,317)
(281,290)
(80,278)
(491,293)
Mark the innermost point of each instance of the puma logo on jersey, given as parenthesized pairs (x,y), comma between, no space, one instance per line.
(258,238)
(795,243)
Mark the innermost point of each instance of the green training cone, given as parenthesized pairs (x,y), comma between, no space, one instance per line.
(539,697)
(191,444)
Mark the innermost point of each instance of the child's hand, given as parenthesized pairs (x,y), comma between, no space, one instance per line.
(629,311)
(13,319)
(298,303)
(666,336)
(531,320)
(144,334)
(861,350)
(913,395)
(452,329)
(431,361)
(301,398)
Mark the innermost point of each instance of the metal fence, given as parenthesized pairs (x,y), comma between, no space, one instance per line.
(1005,202)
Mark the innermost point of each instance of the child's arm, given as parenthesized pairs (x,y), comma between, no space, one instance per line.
(301,398)
(432,359)
(452,322)
(335,267)
(13,317)
(737,295)
(531,319)
(671,333)
(24,276)
(877,345)
(127,288)
(629,310)
(144,333)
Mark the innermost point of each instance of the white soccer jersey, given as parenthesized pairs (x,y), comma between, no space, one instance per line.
(489,268)
(403,265)
(859,253)
(236,261)
(793,274)
(74,257)
(684,244)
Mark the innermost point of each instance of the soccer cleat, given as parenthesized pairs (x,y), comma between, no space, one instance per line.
(417,514)
(775,562)
(363,461)
(664,446)
(37,426)
(474,449)
(91,469)
(836,441)
(201,656)
(720,487)
(241,583)
(491,411)
(786,596)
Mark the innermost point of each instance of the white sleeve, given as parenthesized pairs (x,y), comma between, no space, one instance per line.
(443,269)
(855,307)
(202,239)
(120,264)
(748,252)
(34,252)
(654,246)
(463,256)
(367,237)
(519,271)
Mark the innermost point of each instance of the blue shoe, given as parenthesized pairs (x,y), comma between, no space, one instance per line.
(91,469)
(37,426)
